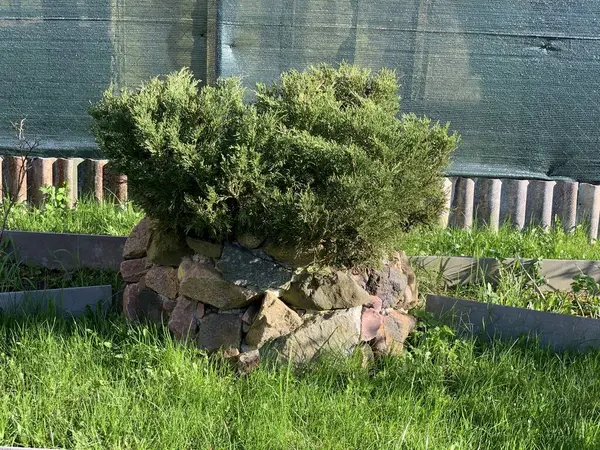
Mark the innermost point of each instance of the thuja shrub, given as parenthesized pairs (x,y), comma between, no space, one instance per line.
(321,161)
(191,155)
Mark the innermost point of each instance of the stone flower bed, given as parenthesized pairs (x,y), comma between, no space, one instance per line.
(240,296)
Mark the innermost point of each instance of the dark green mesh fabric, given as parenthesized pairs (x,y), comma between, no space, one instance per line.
(518,79)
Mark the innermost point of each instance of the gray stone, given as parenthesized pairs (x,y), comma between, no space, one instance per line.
(183,322)
(219,331)
(166,248)
(248,269)
(249,240)
(163,280)
(169,305)
(273,320)
(247,362)
(137,242)
(329,332)
(324,291)
(388,284)
(288,255)
(204,248)
(205,284)
(394,283)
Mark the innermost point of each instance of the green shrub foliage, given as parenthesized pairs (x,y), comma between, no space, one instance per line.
(321,160)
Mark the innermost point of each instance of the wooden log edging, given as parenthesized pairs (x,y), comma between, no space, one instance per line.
(469,201)
(494,201)
(487,321)
(84,177)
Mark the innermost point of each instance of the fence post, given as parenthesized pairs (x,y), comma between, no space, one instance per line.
(565,203)
(462,210)
(14,166)
(40,175)
(487,202)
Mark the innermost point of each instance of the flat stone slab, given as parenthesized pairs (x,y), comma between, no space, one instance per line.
(488,321)
(251,270)
(69,302)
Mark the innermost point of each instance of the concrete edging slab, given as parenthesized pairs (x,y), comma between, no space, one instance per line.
(558,274)
(68,251)
(487,321)
(68,302)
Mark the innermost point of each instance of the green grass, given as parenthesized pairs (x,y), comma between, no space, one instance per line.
(507,243)
(18,277)
(108,384)
(91,217)
(88,217)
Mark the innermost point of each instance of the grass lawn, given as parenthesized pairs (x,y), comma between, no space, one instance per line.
(88,217)
(108,384)
(97,383)
(506,243)
(14,277)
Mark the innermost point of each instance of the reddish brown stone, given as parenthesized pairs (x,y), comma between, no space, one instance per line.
(220,331)
(183,322)
(163,280)
(40,175)
(137,242)
(396,328)
(132,270)
(130,301)
(376,303)
(370,325)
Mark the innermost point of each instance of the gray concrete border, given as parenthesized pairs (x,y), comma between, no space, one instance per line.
(68,302)
(457,270)
(486,321)
(68,251)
